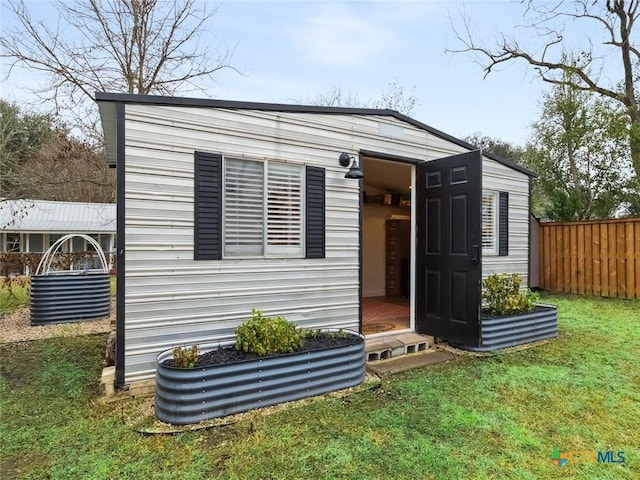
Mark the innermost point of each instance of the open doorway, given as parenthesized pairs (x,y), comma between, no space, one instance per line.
(387,245)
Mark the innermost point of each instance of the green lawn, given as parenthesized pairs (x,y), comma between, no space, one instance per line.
(14,293)
(492,417)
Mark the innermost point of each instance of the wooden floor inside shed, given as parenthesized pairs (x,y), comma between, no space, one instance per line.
(384,314)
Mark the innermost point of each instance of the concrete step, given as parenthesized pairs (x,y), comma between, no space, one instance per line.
(391,346)
(408,362)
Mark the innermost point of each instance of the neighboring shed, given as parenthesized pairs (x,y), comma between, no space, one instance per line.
(34,225)
(224,206)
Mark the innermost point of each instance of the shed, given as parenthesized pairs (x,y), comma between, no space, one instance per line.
(224,206)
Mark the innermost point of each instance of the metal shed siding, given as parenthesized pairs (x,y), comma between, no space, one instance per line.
(171,299)
(496,176)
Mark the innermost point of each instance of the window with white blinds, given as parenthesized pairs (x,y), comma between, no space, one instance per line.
(489,222)
(284,209)
(262,208)
(243,207)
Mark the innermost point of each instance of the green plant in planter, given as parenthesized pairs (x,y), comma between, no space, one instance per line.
(312,333)
(503,295)
(185,357)
(318,333)
(266,335)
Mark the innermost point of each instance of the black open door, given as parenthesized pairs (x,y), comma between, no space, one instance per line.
(449,244)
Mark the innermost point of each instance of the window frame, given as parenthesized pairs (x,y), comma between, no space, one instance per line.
(495,207)
(7,242)
(267,251)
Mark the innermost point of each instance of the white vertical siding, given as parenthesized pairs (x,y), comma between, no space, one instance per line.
(498,177)
(171,299)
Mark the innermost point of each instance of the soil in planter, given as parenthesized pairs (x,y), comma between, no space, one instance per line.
(538,308)
(229,354)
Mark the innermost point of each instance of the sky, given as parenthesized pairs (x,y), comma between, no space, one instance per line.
(293,51)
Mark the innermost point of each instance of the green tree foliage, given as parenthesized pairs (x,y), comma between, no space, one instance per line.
(606,63)
(39,159)
(581,153)
(21,137)
(496,146)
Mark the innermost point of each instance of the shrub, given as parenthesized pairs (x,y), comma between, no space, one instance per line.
(185,357)
(266,335)
(503,295)
(315,334)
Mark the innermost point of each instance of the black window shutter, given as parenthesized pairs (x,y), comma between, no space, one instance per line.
(503,224)
(315,214)
(207,206)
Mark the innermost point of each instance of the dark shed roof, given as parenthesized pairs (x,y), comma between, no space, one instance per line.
(279,107)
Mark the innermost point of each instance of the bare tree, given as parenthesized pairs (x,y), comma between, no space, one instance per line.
(394,97)
(589,68)
(134,46)
(39,159)
(335,97)
(68,169)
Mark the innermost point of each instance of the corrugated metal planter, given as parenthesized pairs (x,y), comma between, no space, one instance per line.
(69,295)
(513,330)
(191,395)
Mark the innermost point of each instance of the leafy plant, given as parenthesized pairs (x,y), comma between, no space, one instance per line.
(265,335)
(313,333)
(340,334)
(503,295)
(185,357)
(317,333)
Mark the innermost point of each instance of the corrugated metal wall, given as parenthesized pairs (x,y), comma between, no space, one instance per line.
(496,176)
(172,299)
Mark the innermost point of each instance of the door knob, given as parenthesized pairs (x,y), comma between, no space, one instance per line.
(475,256)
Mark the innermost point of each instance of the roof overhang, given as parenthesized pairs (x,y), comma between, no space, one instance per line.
(107,104)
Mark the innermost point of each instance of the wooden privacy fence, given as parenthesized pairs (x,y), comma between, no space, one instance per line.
(600,257)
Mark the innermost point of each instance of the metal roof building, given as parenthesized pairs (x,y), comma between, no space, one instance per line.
(45,216)
(34,225)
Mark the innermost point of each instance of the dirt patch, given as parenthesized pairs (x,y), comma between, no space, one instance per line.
(16,327)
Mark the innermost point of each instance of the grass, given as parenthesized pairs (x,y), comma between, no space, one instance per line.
(500,416)
(14,293)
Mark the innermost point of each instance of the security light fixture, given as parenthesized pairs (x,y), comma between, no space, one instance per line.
(354,171)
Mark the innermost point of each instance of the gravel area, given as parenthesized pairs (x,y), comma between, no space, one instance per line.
(16,327)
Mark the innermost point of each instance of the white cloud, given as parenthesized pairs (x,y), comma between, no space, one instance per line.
(340,35)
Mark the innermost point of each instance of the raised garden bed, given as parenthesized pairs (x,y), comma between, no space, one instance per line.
(69,297)
(226,381)
(497,332)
